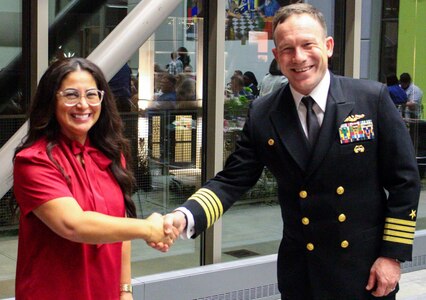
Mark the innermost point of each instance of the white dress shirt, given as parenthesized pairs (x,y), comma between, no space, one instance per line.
(319,94)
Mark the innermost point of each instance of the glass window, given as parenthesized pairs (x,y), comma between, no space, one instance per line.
(248,57)
(12,103)
(12,106)
(410,71)
(165,133)
(77,27)
(166,111)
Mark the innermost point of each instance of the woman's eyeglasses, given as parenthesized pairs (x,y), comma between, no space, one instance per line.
(72,97)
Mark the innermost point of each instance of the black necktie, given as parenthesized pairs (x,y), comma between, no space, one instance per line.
(311,120)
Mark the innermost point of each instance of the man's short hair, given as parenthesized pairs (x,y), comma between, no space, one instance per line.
(298,9)
(405,78)
(239,80)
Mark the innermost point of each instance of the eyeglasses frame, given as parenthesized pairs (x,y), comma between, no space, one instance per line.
(60,93)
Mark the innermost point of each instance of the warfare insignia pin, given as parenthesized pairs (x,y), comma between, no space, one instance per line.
(354,118)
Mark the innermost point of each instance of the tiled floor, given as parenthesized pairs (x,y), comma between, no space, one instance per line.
(413,286)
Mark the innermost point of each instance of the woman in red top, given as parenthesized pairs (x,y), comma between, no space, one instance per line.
(74,192)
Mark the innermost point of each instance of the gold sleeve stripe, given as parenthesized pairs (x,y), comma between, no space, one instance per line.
(200,198)
(210,203)
(399,233)
(217,205)
(401,222)
(400,228)
(206,199)
(204,206)
(397,240)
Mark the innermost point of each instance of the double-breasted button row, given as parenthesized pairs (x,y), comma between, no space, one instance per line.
(341,218)
(344,244)
(303,194)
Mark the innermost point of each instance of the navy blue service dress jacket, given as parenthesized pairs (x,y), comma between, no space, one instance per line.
(351,199)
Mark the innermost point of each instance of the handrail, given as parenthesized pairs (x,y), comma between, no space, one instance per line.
(114,51)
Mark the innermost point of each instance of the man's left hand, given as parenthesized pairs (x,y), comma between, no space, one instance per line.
(384,276)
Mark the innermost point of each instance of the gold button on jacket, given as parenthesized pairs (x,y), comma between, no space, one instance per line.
(345,244)
(305,221)
(340,190)
(303,194)
(342,218)
(310,246)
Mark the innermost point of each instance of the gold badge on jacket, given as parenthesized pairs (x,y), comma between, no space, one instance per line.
(354,118)
(355,131)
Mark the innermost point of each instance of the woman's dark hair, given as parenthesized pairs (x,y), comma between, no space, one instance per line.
(106,134)
(274,68)
(252,78)
(392,79)
(183,56)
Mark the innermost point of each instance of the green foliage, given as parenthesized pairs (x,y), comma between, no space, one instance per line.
(236,107)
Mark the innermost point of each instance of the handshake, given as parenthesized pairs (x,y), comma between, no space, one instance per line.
(165,229)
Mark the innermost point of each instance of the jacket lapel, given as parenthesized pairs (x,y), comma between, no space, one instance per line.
(338,108)
(287,124)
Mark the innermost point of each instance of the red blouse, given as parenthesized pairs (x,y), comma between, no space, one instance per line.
(49,266)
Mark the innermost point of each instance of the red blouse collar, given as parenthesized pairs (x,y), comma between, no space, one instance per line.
(97,156)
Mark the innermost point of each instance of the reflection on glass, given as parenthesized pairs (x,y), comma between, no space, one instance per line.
(169,123)
(248,44)
(77,27)
(13,106)
(11,69)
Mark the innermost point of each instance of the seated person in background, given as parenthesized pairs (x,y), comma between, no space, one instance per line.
(189,72)
(238,72)
(168,88)
(268,8)
(184,57)
(175,65)
(185,90)
(414,94)
(238,88)
(228,85)
(250,81)
(158,74)
(398,95)
(273,80)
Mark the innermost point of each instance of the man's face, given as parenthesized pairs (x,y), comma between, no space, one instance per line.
(235,86)
(405,85)
(302,51)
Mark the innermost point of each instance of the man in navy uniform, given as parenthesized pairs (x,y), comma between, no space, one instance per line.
(347,177)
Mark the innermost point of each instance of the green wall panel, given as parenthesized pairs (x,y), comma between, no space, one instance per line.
(412,41)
